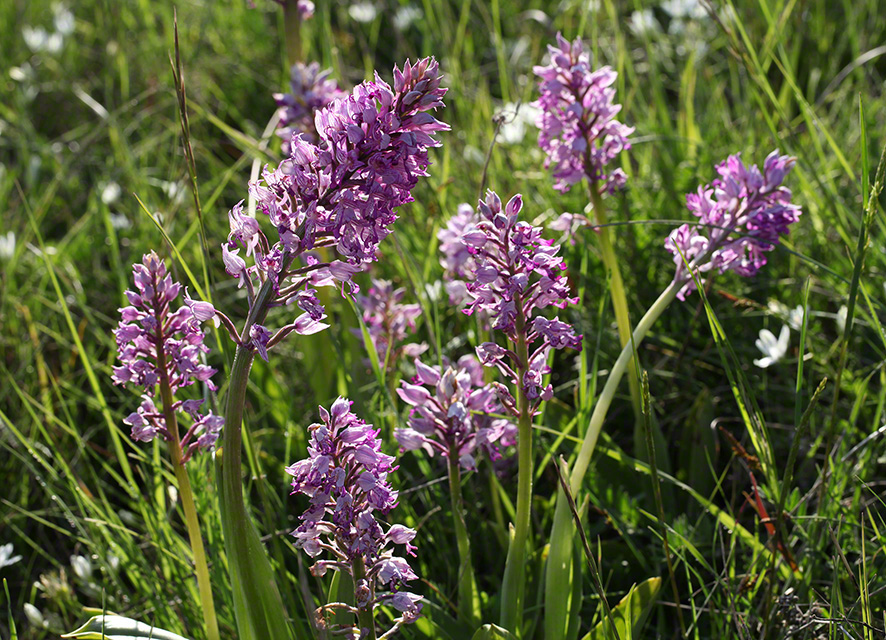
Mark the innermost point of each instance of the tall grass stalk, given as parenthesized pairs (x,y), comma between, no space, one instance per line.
(292,26)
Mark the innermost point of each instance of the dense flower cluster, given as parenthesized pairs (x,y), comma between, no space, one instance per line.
(742,215)
(457,261)
(346,478)
(578,130)
(389,322)
(516,274)
(311,90)
(159,345)
(454,415)
(341,192)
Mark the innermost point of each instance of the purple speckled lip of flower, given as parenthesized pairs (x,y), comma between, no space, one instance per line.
(340,192)
(742,215)
(345,477)
(578,129)
(516,274)
(156,346)
(389,322)
(311,90)
(455,414)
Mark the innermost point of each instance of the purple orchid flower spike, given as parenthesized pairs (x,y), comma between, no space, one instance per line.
(389,322)
(454,416)
(338,190)
(516,275)
(742,215)
(345,477)
(160,347)
(578,129)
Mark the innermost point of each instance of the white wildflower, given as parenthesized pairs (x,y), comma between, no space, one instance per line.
(795,317)
(64,20)
(111,192)
(34,616)
(405,16)
(684,9)
(772,349)
(363,12)
(82,567)
(6,557)
(643,22)
(7,250)
(515,119)
(37,38)
(120,221)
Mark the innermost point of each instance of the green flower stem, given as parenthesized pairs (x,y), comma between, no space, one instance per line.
(557,572)
(257,603)
(515,566)
(292,21)
(468,601)
(365,619)
(616,290)
(204,586)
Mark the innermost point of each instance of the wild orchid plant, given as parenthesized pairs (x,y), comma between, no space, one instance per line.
(339,193)
(516,275)
(351,160)
(582,139)
(456,414)
(160,347)
(742,215)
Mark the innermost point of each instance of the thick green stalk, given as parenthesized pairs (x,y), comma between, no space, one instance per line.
(292,22)
(257,603)
(468,601)
(608,393)
(365,619)
(514,580)
(204,586)
(557,572)
(616,290)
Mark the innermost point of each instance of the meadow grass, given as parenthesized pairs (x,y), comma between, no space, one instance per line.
(100,118)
